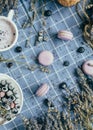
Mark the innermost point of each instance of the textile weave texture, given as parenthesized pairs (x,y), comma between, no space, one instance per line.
(62,19)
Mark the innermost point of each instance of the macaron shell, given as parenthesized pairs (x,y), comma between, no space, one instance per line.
(46,58)
(88,67)
(65,35)
(42,90)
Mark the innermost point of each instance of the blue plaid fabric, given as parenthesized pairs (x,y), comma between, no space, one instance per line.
(62,19)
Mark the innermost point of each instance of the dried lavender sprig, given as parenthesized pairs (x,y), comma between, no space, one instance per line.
(81,109)
(31,19)
(83,81)
(83,11)
(88,27)
(85,103)
(32,5)
(8,4)
(43,17)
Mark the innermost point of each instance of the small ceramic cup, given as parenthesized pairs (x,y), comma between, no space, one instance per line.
(9,20)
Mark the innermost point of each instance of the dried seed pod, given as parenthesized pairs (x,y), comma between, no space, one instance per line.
(42,90)
(4,99)
(44,69)
(7,107)
(17,106)
(25,120)
(11,98)
(3,82)
(41,33)
(27,44)
(45,38)
(9,93)
(5,89)
(40,38)
(14,111)
(32,67)
(3,112)
(8,117)
(11,87)
(89,6)
(7,85)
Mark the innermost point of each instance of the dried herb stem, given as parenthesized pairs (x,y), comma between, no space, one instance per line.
(84,5)
(88,29)
(8,4)
(31,19)
(43,17)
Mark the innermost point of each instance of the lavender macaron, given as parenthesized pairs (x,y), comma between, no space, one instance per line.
(45,58)
(65,35)
(42,90)
(88,67)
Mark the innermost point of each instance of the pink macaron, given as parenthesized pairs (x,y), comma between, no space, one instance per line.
(45,58)
(88,67)
(42,90)
(65,35)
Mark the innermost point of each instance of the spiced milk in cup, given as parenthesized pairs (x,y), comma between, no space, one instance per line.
(8,32)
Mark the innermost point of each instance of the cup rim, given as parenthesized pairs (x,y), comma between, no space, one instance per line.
(21,93)
(16,38)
